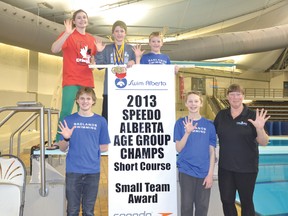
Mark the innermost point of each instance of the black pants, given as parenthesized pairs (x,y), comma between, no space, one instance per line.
(244,183)
(105,107)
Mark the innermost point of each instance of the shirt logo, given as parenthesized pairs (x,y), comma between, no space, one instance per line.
(241,123)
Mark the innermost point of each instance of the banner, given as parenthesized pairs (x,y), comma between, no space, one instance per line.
(142,154)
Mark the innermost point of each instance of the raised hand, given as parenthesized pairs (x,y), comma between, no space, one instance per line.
(261,118)
(137,50)
(68,23)
(65,130)
(99,45)
(188,125)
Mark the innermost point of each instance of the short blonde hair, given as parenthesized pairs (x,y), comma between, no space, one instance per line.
(156,34)
(195,93)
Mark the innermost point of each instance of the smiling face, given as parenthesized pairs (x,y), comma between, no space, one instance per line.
(155,43)
(85,102)
(119,35)
(85,98)
(235,96)
(235,99)
(80,19)
(193,103)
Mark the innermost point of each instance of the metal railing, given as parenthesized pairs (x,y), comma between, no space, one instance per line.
(37,110)
(256,93)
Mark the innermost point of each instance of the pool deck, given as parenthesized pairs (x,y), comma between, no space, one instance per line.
(271,190)
(273,150)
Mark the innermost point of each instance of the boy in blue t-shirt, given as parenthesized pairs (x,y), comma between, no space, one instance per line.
(154,56)
(85,135)
(195,138)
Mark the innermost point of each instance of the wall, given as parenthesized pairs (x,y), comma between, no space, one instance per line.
(31,76)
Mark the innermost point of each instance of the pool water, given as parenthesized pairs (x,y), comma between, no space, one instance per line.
(271,189)
(278,142)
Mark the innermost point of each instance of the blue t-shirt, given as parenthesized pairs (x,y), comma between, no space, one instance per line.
(84,146)
(194,159)
(153,58)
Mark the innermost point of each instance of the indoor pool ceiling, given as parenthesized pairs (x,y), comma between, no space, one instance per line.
(251,34)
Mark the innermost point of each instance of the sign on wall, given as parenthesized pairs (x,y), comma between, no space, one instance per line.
(142,155)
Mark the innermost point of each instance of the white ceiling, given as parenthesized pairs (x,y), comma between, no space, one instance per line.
(184,22)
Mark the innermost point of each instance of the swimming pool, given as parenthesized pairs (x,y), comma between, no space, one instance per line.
(271,189)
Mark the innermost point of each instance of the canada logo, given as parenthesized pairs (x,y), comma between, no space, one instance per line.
(120,73)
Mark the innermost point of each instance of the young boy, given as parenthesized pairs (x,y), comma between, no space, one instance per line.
(154,56)
(85,135)
(117,53)
(195,139)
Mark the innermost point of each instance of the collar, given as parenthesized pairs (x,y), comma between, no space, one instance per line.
(243,113)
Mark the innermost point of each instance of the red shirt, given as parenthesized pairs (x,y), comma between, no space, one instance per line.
(77,51)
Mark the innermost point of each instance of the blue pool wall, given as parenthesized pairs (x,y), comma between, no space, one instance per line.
(276,128)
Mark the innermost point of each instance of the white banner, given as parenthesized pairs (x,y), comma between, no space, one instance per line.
(142,155)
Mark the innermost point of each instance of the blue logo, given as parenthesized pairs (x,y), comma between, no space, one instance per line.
(120,83)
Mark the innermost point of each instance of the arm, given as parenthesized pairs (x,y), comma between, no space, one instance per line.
(262,137)
(189,128)
(104,147)
(63,145)
(208,181)
(259,123)
(176,69)
(57,45)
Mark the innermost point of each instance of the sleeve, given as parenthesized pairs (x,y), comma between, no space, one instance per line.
(212,138)
(177,131)
(144,59)
(168,60)
(104,136)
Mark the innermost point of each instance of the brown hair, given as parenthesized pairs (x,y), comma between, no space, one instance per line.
(120,24)
(235,88)
(86,90)
(76,12)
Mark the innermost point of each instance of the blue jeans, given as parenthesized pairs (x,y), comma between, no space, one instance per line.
(81,187)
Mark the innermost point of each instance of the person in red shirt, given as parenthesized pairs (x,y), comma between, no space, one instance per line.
(78,49)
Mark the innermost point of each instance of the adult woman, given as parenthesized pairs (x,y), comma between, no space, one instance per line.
(240,130)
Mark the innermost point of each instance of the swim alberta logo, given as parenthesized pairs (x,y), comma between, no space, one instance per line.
(120,73)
